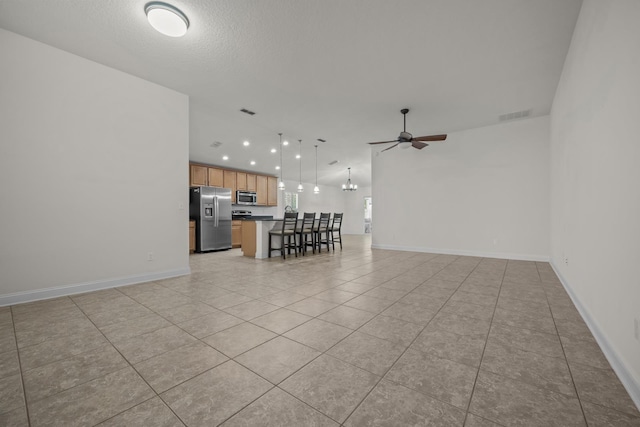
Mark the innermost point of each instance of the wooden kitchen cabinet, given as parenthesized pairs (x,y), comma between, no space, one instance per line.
(229,181)
(272,191)
(236,234)
(192,236)
(251,182)
(261,190)
(198,176)
(241,181)
(216,177)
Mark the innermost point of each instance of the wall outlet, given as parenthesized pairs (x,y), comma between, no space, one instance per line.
(150,256)
(495,241)
(566,260)
(636,328)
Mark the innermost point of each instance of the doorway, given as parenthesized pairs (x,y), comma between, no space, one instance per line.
(367,215)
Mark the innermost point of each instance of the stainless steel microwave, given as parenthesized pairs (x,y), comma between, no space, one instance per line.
(245,197)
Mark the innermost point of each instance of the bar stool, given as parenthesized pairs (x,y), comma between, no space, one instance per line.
(304,231)
(286,231)
(321,229)
(336,226)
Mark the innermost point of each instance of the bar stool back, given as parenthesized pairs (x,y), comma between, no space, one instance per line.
(336,226)
(304,231)
(286,232)
(321,231)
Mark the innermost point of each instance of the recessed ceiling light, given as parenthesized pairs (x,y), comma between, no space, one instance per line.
(246,143)
(277,168)
(297,156)
(166,19)
(225,157)
(285,142)
(273,150)
(253,162)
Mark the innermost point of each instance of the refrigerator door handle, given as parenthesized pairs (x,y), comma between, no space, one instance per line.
(217,212)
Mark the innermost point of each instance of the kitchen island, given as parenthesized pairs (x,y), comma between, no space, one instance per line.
(255,236)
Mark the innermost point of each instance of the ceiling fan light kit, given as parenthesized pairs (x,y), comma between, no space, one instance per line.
(406,140)
(166,19)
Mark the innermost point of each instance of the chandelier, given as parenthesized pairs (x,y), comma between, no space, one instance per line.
(349,186)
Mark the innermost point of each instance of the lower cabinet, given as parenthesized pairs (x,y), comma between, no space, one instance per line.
(192,237)
(236,234)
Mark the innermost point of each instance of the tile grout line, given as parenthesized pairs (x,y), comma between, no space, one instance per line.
(412,341)
(132,367)
(24,389)
(475,382)
(315,358)
(584,416)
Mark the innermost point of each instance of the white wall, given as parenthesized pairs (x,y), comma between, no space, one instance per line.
(93,167)
(595,178)
(483,192)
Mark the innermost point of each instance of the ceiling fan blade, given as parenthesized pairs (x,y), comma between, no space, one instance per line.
(382,142)
(419,145)
(393,146)
(430,138)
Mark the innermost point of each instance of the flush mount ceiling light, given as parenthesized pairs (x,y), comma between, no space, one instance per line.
(349,186)
(166,19)
(246,143)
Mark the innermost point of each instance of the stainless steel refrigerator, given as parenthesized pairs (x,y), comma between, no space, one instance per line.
(210,207)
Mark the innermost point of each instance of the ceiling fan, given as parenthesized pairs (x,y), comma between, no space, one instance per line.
(406,140)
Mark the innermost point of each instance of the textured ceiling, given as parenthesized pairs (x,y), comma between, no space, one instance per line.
(339,70)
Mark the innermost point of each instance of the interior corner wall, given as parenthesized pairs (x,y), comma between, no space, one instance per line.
(482,192)
(595,198)
(93,175)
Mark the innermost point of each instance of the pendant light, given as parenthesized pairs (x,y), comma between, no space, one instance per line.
(281,183)
(349,186)
(316,189)
(300,187)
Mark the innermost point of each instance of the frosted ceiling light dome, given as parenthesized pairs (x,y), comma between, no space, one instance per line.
(166,19)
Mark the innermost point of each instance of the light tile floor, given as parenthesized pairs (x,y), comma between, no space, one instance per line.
(355,337)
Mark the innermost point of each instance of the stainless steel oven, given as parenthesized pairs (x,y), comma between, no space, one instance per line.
(245,197)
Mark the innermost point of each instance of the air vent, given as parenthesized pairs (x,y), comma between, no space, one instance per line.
(244,110)
(215,144)
(333,163)
(322,140)
(515,115)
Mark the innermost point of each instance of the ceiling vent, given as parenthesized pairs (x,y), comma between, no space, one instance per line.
(333,163)
(244,110)
(322,140)
(215,144)
(515,115)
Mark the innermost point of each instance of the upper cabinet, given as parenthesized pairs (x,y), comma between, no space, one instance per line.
(251,182)
(198,176)
(261,190)
(230,182)
(272,191)
(266,187)
(216,177)
(241,181)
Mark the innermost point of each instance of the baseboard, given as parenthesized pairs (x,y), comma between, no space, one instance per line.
(519,257)
(627,380)
(59,291)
